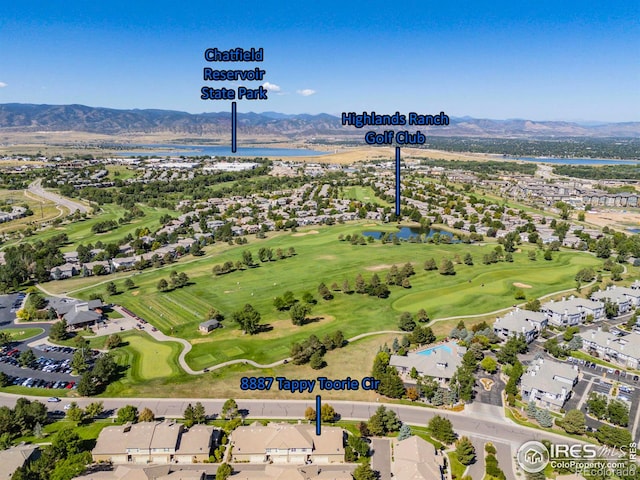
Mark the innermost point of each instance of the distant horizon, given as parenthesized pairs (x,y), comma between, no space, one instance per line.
(587,122)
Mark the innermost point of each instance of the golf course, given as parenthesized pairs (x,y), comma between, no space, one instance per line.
(320,257)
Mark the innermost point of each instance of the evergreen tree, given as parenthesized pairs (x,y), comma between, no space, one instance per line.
(465,451)
(405,432)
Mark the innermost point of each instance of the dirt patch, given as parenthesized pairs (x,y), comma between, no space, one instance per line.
(135,293)
(302,234)
(521,285)
(377,268)
(614,219)
(228,291)
(487,383)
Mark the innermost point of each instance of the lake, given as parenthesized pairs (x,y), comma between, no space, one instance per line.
(576,161)
(162,150)
(405,233)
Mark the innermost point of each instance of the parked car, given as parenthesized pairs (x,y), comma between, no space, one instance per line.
(53,399)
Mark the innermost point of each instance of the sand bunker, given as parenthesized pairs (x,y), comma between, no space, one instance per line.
(302,234)
(521,285)
(377,268)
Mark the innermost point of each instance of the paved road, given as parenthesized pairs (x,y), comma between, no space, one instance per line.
(36,189)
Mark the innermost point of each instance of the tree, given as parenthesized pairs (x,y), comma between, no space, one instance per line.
(189,416)
(465,451)
(94,409)
(111,288)
(441,429)
(316,361)
(324,292)
(146,415)
(248,319)
(310,414)
(533,305)
(327,413)
(247,258)
(128,283)
(519,294)
(406,322)
(113,341)
(58,331)
(79,361)
(446,267)
(199,414)
(405,432)
(422,316)
(468,259)
(26,358)
(224,471)
(430,265)
(229,409)
(544,418)
(75,413)
(489,364)
(547,254)
(364,472)
(574,422)
(299,312)
(618,413)
(128,413)
(162,285)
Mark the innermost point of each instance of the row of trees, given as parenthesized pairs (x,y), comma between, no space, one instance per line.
(312,350)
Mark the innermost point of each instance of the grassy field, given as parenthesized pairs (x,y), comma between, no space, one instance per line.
(80,231)
(43,210)
(321,257)
(17,335)
(364,195)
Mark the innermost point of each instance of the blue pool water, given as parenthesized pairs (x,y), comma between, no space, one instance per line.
(427,351)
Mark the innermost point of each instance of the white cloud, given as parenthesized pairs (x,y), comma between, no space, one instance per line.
(272,87)
(306,92)
(2,84)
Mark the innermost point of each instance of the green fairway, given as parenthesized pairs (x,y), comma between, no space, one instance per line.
(79,232)
(322,258)
(148,359)
(364,195)
(19,334)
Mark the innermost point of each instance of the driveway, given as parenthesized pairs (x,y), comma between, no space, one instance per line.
(381,458)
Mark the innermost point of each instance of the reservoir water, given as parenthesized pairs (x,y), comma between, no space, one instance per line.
(163,150)
(405,233)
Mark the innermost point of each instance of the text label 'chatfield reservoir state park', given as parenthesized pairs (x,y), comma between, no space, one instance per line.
(214,75)
(397,119)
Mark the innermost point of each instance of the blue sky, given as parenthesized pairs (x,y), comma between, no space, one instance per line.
(540,60)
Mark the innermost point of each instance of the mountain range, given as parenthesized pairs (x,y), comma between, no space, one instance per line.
(19,117)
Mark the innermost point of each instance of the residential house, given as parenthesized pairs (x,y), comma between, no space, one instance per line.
(66,270)
(572,311)
(15,457)
(293,472)
(624,350)
(139,472)
(153,442)
(524,322)
(286,443)
(615,296)
(548,383)
(439,361)
(416,459)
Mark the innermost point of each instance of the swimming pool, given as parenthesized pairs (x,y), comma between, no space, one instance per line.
(427,351)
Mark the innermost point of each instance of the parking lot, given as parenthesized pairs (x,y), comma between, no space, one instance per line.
(9,305)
